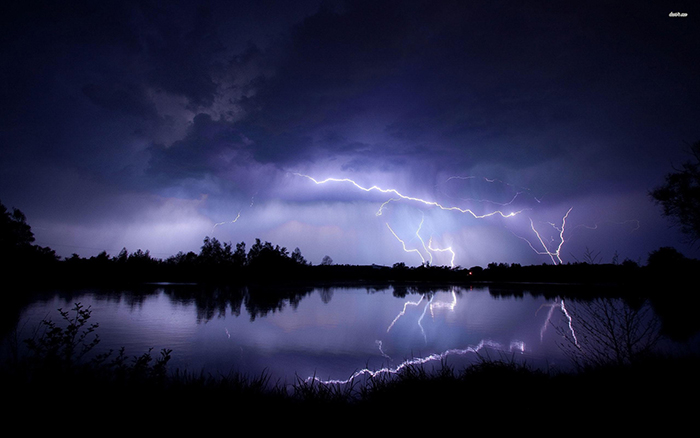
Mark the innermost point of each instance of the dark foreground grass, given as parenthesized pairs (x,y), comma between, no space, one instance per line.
(658,391)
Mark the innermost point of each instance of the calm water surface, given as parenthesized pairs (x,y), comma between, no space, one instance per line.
(329,333)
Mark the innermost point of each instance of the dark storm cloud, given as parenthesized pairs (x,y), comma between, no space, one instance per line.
(201,151)
(475,83)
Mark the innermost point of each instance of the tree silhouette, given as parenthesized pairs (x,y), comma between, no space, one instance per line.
(15,232)
(214,252)
(297,257)
(16,242)
(239,256)
(680,196)
(605,331)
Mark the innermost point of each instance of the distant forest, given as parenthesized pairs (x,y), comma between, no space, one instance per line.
(226,263)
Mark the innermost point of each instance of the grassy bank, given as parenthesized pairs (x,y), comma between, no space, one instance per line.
(657,390)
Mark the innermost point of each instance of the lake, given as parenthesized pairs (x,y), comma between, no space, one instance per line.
(330,333)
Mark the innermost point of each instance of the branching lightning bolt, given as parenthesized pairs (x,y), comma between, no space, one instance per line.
(404,244)
(398,196)
(518,346)
(444,305)
(448,249)
(429,248)
(552,249)
(556,254)
(410,198)
(403,312)
(420,361)
(429,306)
(518,192)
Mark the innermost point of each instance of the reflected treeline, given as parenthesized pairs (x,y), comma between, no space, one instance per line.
(260,300)
(251,300)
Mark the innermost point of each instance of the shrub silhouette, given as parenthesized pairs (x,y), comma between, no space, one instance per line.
(679,196)
(63,350)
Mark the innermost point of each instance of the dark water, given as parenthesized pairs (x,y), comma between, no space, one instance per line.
(330,333)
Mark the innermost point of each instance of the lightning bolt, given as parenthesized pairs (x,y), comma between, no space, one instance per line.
(562,306)
(429,306)
(410,198)
(223,223)
(437,357)
(448,249)
(379,346)
(421,239)
(420,319)
(518,191)
(252,201)
(552,249)
(404,244)
(571,327)
(381,207)
(429,249)
(444,305)
(596,225)
(516,345)
(547,320)
(556,254)
(403,312)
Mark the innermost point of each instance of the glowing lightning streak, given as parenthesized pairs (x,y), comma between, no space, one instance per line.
(554,255)
(549,318)
(595,226)
(562,306)
(417,361)
(429,249)
(421,240)
(571,327)
(401,196)
(222,223)
(450,305)
(403,312)
(448,249)
(514,346)
(379,345)
(422,315)
(517,192)
(410,198)
(404,245)
(381,207)
(430,305)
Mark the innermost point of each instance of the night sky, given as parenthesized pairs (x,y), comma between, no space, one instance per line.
(150,125)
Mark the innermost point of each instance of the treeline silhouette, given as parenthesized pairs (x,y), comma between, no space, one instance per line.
(216,262)
(264,262)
